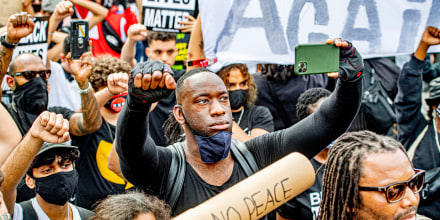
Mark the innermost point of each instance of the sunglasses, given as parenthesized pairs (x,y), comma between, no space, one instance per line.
(44,74)
(396,191)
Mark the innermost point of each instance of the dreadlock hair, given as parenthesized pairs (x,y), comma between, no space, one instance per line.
(277,72)
(309,97)
(172,129)
(340,190)
(224,75)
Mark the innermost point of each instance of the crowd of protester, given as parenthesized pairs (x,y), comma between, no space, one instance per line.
(113,136)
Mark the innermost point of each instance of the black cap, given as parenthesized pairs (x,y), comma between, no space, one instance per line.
(49,146)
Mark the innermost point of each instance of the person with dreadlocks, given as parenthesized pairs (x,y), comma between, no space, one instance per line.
(203,111)
(369,176)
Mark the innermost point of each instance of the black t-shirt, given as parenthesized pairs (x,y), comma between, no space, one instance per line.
(96,181)
(160,114)
(147,165)
(24,121)
(305,205)
(254,117)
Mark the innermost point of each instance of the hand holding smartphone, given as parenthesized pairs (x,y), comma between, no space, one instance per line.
(316,58)
(79,41)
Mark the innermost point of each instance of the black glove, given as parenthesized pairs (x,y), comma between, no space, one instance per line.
(140,96)
(351,65)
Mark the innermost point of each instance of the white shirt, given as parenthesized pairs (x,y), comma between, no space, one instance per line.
(18,211)
(62,92)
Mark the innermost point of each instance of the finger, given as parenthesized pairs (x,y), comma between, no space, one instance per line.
(156,78)
(146,82)
(24,18)
(90,46)
(44,118)
(64,129)
(137,81)
(329,41)
(344,44)
(338,42)
(64,138)
(59,120)
(170,82)
(51,122)
(163,79)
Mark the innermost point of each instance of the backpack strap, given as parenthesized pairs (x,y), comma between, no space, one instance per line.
(28,210)
(412,149)
(244,157)
(176,176)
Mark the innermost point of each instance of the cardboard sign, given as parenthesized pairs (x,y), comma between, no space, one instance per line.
(253,31)
(164,15)
(259,194)
(36,42)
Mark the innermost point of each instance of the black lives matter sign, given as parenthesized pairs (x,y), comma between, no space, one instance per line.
(164,15)
(35,42)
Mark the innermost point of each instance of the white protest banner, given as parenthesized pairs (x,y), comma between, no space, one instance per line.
(164,15)
(267,31)
(36,42)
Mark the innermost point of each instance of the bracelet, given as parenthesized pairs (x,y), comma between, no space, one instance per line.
(51,33)
(84,91)
(5,43)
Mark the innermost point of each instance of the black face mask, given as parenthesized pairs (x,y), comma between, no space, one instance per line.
(31,97)
(238,98)
(57,188)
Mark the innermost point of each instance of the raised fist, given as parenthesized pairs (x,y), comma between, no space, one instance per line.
(19,25)
(62,10)
(117,83)
(351,65)
(149,82)
(50,127)
(137,32)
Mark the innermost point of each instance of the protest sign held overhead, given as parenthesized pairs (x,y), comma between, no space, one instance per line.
(165,15)
(252,31)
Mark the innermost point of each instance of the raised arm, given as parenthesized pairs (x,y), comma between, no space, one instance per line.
(135,33)
(140,158)
(99,11)
(312,134)
(195,46)
(62,10)
(19,25)
(48,127)
(89,119)
(408,101)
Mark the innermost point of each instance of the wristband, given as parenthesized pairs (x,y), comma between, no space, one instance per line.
(5,43)
(202,62)
(85,91)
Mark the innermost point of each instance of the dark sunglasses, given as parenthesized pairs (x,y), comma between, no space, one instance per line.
(396,191)
(44,74)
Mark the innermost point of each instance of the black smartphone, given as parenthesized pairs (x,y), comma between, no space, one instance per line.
(316,58)
(79,38)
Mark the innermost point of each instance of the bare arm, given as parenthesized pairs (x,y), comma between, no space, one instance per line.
(99,12)
(135,33)
(195,46)
(239,134)
(47,127)
(113,162)
(62,10)
(90,119)
(9,134)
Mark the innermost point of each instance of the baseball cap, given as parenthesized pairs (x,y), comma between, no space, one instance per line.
(49,146)
(434,92)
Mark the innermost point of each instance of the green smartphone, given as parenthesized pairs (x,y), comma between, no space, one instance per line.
(316,58)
